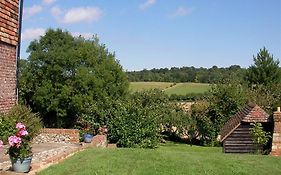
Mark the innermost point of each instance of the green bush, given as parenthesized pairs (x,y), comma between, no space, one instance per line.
(260,136)
(136,121)
(188,97)
(135,126)
(7,128)
(23,115)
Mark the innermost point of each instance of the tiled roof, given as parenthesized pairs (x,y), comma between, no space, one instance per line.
(250,113)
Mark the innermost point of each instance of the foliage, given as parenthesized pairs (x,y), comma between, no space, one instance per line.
(166,160)
(204,124)
(265,69)
(186,74)
(267,97)
(227,97)
(260,136)
(175,122)
(136,122)
(6,128)
(17,114)
(63,74)
(188,97)
(225,100)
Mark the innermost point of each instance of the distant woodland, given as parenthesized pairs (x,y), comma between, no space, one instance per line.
(188,74)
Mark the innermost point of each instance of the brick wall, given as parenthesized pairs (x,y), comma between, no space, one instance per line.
(7,76)
(8,46)
(276,139)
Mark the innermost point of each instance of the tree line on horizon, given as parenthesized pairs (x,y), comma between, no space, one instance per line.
(187,74)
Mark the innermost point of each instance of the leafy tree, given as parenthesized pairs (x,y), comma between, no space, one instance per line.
(265,69)
(63,74)
(225,99)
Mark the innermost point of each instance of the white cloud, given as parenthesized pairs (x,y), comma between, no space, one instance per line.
(82,14)
(47,2)
(32,33)
(30,11)
(147,4)
(182,11)
(85,35)
(56,12)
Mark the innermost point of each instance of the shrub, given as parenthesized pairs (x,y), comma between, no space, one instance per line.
(135,126)
(18,114)
(6,128)
(260,136)
(188,97)
(136,122)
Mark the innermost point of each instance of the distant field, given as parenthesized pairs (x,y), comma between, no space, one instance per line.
(139,86)
(187,88)
(170,88)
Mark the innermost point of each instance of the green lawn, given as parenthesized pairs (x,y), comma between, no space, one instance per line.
(139,86)
(187,88)
(169,159)
(170,88)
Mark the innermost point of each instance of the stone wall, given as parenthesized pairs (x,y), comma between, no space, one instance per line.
(276,139)
(8,45)
(50,135)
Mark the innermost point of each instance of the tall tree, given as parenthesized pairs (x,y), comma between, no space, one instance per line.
(265,69)
(63,74)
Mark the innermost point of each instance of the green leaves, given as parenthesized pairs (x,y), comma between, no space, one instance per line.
(265,69)
(260,136)
(63,73)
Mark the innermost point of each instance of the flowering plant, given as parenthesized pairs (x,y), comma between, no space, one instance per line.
(19,143)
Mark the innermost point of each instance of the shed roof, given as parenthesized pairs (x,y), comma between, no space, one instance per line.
(250,113)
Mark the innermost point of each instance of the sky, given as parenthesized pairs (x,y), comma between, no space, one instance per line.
(146,34)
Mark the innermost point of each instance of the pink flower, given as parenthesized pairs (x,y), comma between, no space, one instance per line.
(22,132)
(1,144)
(14,141)
(20,126)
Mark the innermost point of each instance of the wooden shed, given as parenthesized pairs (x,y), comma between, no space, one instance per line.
(235,134)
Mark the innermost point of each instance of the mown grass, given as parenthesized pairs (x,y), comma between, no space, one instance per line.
(187,88)
(170,88)
(139,86)
(168,159)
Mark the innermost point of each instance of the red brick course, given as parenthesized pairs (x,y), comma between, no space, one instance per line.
(9,21)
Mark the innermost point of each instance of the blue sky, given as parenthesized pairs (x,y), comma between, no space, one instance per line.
(147,34)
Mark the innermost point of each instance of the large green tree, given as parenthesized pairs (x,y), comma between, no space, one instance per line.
(63,74)
(265,69)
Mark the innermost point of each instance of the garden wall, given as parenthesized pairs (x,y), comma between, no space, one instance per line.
(51,135)
(8,46)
